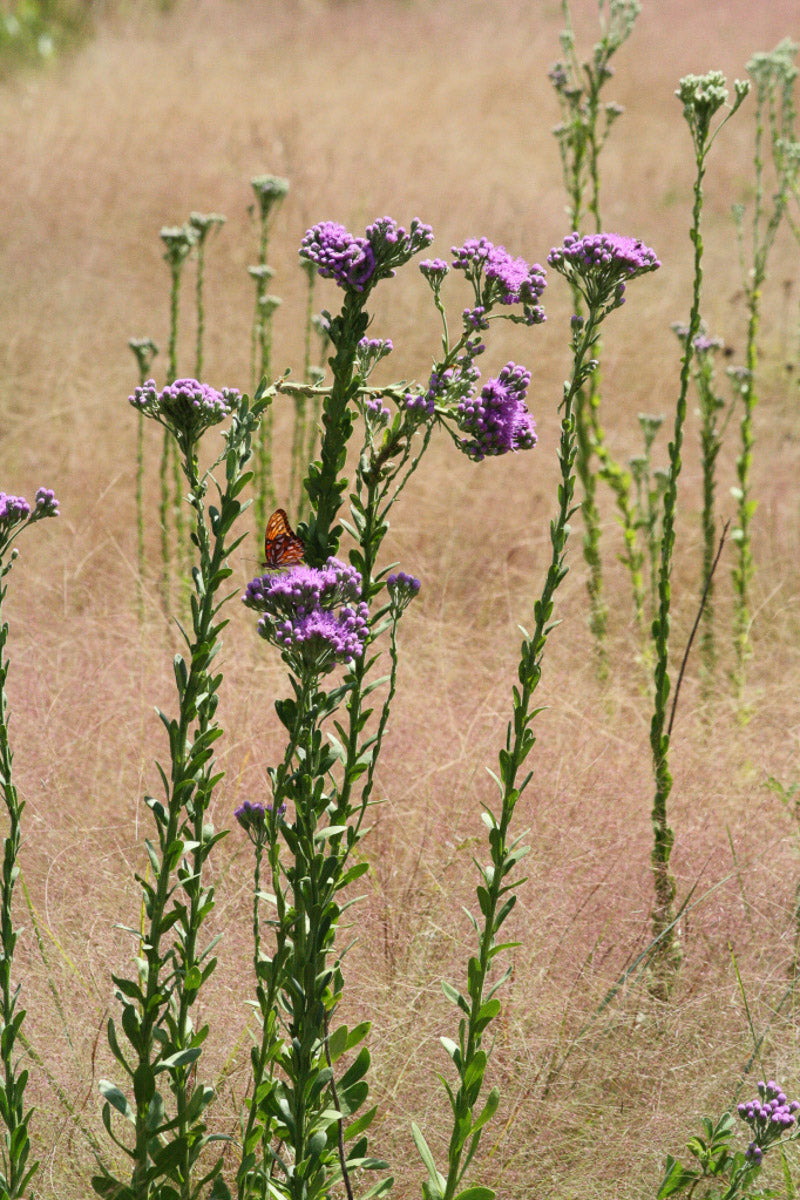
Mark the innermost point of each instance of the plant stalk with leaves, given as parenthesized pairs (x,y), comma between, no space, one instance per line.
(702,97)
(162,1045)
(15,1170)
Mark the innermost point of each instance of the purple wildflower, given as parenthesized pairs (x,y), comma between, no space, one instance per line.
(314,615)
(498,419)
(254,820)
(339,255)
(186,406)
(769,1116)
(601,263)
(359,262)
(369,352)
(500,279)
(393,246)
(13,509)
(46,503)
(402,589)
(376,411)
(434,270)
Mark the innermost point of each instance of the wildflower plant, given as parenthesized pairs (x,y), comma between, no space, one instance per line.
(144,351)
(713,422)
(773,77)
(16,1172)
(156,1043)
(325,617)
(725,1173)
(702,97)
(582,133)
(269,191)
(203,225)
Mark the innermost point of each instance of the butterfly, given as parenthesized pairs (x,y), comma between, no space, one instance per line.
(282,546)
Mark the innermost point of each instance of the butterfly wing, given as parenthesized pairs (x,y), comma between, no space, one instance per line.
(282,546)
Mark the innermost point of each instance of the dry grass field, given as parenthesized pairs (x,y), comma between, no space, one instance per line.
(441,109)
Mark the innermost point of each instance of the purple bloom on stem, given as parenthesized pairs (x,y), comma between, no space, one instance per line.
(46,503)
(434,270)
(769,1116)
(186,406)
(498,278)
(498,420)
(402,589)
(601,263)
(339,255)
(314,615)
(13,509)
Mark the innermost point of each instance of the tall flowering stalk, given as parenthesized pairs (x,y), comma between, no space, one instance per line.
(179,241)
(16,1172)
(203,225)
(713,421)
(156,1044)
(270,191)
(702,97)
(582,133)
(773,78)
(144,351)
(600,275)
(301,1133)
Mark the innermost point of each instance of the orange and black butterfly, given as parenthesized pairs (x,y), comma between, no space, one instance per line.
(282,546)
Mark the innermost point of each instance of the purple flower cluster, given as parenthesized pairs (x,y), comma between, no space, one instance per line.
(339,255)
(16,511)
(601,263)
(498,278)
(402,589)
(253,819)
(314,615)
(13,509)
(769,1116)
(370,351)
(186,406)
(498,419)
(356,263)
(434,270)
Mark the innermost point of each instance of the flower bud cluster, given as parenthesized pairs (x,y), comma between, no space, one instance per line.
(600,264)
(402,589)
(314,615)
(16,512)
(369,352)
(186,407)
(769,1116)
(498,420)
(254,820)
(356,263)
(498,278)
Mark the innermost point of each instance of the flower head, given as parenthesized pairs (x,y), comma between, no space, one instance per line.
(254,820)
(178,241)
(314,615)
(769,1116)
(498,278)
(600,264)
(186,407)
(16,513)
(498,420)
(357,263)
(269,192)
(339,255)
(402,589)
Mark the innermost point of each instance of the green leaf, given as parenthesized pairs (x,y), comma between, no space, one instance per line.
(435,1180)
(116,1098)
(676,1178)
(476,1193)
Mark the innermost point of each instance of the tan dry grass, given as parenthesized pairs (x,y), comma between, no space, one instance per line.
(440,109)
